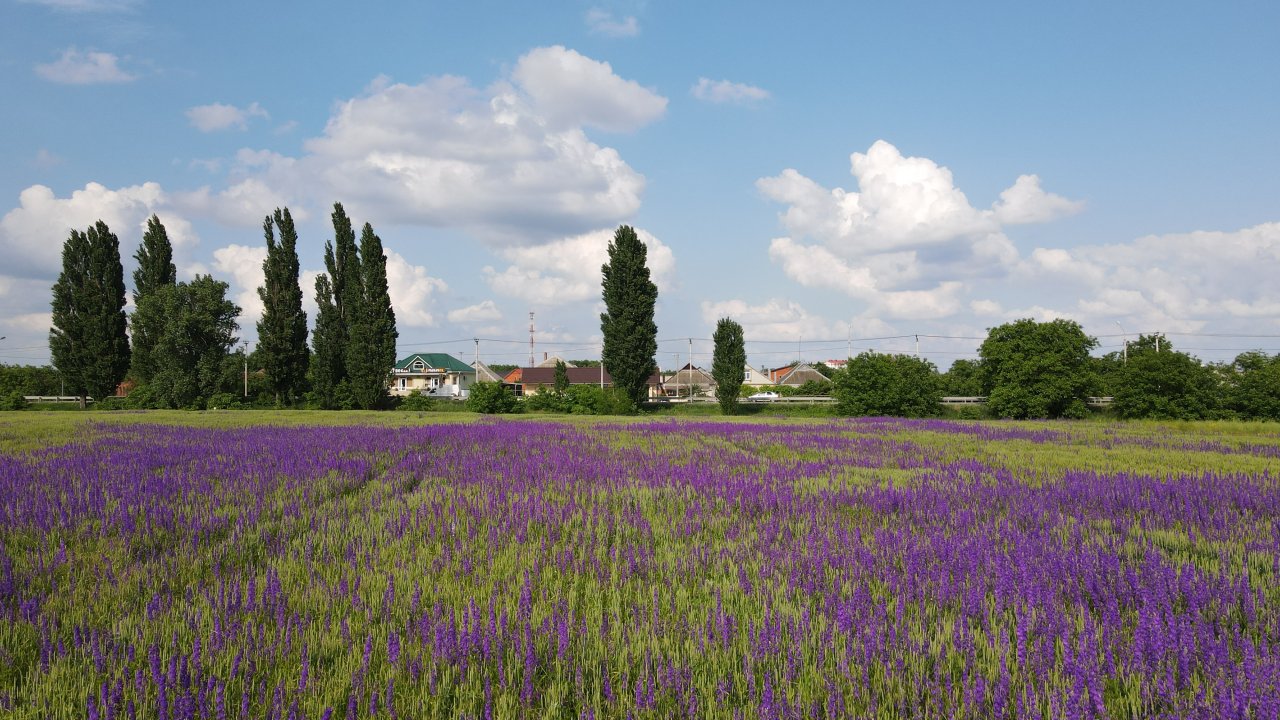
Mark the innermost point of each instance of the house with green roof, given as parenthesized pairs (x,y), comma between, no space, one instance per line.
(436,374)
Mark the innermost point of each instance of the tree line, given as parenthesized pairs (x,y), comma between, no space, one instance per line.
(176,348)
(1031,370)
(182,335)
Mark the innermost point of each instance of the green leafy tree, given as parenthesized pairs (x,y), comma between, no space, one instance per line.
(630,334)
(155,270)
(282,331)
(371,350)
(896,385)
(1107,370)
(728,364)
(491,398)
(193,326)
(963,379)
(1163,384)
(1038,369)
(28,380)
(1254,386)
(88,342)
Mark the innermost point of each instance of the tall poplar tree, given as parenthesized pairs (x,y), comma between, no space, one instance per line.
(155,270)
(282,331)
(371,351)
(630,334)
(728,364)
(88,341)
(334,293)
(327,363)
(155,261)
(343,263)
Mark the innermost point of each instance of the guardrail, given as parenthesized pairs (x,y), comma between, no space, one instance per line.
(53,398)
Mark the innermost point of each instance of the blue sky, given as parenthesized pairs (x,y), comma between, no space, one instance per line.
(838,176)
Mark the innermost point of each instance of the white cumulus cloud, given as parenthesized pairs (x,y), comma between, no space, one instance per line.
(511,163)
(1177,282)
(76,67)
(1027,202)
(32,234)
(219,116)
(907,241)
(413,291)
(243,265)
(776,319)
(724,91)
(569,89)
(486,311)
(568,270)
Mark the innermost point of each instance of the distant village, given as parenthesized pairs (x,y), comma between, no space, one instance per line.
(444,376)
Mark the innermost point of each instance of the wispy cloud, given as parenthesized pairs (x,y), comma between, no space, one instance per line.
(45,159)
(218,116)
(87,6)
(724,91)
(84,68)
(602,22)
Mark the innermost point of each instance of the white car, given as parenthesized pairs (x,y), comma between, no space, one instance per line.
(767,396)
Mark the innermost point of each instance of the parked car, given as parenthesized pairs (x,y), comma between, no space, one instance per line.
(766,396)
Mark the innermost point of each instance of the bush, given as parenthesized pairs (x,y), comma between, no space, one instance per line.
(416,402)
(592,400)
(581,400)
(13,401)
(491,398)
(225,401)
(547,401)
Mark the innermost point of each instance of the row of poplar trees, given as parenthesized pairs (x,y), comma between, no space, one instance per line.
(176,345)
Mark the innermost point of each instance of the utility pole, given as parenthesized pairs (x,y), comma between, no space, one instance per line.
(477,365)
(1157,341)
(244,354)
(1125,336)
(602,366)
(917,347)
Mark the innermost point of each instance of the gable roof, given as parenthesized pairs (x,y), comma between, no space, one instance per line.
(437,361)
(484,373)
(688,375)
(799,375)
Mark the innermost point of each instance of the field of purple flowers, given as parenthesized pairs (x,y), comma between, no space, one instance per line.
(526,569)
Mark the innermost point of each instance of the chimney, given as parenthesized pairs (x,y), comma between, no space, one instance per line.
(545,357)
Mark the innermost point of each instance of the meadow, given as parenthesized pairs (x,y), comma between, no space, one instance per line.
(330,565)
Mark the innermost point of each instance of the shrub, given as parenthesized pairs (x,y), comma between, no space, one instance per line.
(13,401)
(416,402)
(491,398)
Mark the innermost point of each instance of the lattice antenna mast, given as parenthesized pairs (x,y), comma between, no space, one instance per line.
(531,361)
